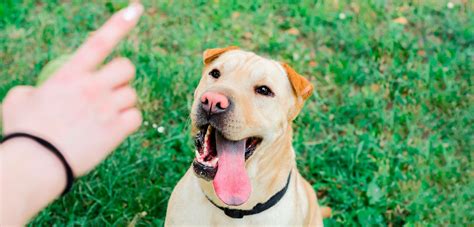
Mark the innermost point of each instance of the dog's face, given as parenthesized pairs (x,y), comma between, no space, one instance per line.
(242,101)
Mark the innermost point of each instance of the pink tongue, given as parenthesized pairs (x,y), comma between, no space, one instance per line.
(231,183)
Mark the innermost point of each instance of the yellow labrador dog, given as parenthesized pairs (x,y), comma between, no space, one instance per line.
(245,172)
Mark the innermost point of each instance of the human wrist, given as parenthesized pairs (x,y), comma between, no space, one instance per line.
(53,149)
(30,155)
(41,173)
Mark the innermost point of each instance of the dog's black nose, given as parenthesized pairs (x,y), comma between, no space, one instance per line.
(214,103)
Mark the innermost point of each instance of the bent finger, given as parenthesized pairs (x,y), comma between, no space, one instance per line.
(116,73)
(124,98)
(129,121)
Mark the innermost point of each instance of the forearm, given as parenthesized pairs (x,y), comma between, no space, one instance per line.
(30,178)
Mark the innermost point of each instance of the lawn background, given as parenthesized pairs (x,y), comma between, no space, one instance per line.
(386,140)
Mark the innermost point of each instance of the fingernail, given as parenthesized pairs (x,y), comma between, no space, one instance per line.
(132,11)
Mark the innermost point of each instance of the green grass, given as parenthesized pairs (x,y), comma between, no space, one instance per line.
(387,139)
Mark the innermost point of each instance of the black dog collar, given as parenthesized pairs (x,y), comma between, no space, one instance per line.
(260,207)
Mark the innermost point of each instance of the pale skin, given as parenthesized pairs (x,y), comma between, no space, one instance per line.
(83,110)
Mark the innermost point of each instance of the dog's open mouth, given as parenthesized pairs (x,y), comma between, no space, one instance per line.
(205,142)
(223,161)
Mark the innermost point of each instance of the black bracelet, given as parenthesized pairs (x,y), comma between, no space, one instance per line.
(53,149)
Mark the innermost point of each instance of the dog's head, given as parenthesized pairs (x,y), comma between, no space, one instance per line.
(242,101)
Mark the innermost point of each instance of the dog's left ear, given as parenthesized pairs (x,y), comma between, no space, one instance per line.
(301,87)
(210,55)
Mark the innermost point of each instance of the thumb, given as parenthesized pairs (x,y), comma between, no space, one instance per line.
(15,95)
(18,93)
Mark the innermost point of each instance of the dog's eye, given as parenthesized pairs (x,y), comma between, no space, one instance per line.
(215,73)
(264,90)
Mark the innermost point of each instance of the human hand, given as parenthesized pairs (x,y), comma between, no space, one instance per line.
(84,111)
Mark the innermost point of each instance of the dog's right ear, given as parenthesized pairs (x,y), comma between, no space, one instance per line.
(210,55)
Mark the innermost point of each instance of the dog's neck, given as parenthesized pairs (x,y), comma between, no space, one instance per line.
(268,170)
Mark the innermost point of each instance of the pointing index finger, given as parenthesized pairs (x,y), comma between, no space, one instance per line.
(102,42)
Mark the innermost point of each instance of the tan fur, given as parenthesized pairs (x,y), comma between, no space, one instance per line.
(301,86)
(211,54)
(269,166)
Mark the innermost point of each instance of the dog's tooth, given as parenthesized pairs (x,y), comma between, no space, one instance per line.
(213,162)
(197,153)
(200,159)
(206,163)
(206,139)
(208,132)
